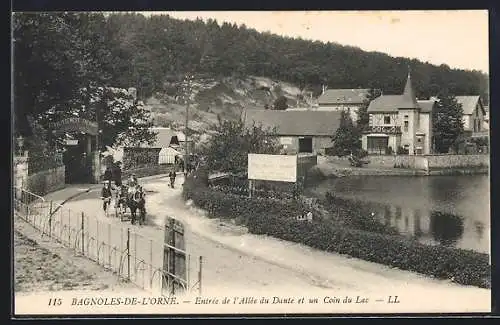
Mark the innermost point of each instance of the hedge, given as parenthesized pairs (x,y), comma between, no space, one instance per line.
(269,217)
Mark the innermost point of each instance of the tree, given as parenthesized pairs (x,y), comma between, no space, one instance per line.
(228,147)
(447,124)
(56,54)
(123,121)
(346,139)
(280,104)
(363,116)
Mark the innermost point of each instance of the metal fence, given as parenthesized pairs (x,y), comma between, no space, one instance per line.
(125,252)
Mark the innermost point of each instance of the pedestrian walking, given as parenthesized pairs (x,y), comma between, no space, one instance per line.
(172,176)
(117,174)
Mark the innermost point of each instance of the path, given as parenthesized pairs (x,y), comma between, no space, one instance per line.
(236,262)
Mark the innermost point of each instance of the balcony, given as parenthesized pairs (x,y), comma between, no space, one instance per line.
(387,129)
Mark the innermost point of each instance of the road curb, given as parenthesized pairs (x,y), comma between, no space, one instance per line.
(73,197)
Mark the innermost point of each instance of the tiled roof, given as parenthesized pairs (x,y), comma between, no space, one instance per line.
(469,103)
(343,96)
(299,123)
(426,106)
(391,103)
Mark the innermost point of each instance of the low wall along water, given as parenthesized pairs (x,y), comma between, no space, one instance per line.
(436,164)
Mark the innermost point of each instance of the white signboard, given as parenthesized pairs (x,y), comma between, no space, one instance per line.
(286,140)
(71,142)
(272,167)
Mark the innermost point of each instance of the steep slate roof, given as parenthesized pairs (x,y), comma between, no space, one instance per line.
(391,103)
(426,106)
(164,138)
(298,123)
(343,96)
(469,103)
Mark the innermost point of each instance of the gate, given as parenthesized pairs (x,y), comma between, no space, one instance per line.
(175,278)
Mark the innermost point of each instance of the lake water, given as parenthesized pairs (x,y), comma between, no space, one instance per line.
(437,210)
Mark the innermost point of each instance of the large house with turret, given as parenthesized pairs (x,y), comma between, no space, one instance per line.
(399,122)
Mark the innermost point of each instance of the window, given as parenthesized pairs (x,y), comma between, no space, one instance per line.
(377,145)
(406,116)
(387,119)
(419,140)
(406,126)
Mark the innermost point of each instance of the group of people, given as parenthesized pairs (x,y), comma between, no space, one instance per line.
(114,175)
(107,190)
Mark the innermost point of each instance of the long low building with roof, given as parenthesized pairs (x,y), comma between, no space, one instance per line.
(299,131)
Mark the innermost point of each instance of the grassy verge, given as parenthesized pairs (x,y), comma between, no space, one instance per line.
(278,219)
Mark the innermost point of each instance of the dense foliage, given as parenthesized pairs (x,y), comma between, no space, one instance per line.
(273,218)
(363,117)
(145,51)
(63,67)
(347,138)
(230,143)
(447,124)
(152,47)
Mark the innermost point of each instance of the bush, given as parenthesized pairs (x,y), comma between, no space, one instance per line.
(278,219)
(402,151)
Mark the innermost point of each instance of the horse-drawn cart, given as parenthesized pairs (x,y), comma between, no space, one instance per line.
(128,201)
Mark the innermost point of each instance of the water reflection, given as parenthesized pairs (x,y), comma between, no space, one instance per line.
(441,210)
(446,228)
(434,228)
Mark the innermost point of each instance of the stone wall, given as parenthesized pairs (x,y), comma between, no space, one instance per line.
(387,161)
(20,165)
(430,162)
(458,161)
(411,162)
(46,181)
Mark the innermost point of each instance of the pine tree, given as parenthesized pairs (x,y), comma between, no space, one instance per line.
(363,116)
(346,139)
(447,123)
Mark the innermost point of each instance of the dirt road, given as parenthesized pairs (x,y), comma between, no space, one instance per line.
(237,263)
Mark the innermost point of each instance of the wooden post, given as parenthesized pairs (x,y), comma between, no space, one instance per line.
(199,275)
(109,246)
(172,254)
(250,186)
(83,233)
(50,219)
(97,240)
(151,264)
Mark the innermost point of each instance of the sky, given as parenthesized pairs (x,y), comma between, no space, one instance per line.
(458,38)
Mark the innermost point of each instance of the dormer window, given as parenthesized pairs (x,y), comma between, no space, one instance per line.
(387,119)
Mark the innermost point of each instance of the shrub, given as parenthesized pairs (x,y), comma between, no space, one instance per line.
(278,219)
(401,151)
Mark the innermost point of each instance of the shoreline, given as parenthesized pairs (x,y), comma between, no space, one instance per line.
(331,170)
